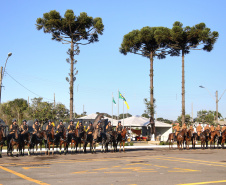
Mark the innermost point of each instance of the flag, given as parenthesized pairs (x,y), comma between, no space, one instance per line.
(127,105)
(121,96)
(113,100)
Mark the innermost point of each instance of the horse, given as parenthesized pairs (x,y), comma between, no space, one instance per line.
(81,139)
(2,139)
(89,139)
(111,141)
(194,138)
(25,140)
(50,141)
(73,140)
(213,137)
(96,139)
(64,141)
(180,138)
(37,139)
(204,137)
(223,135)
(170,140)
(14,142)
(188,138)
(122,139)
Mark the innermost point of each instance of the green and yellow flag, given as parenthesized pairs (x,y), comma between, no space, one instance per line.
(122,97)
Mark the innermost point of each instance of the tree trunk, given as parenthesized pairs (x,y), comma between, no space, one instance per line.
(152,92)
(183,91)
(71,79)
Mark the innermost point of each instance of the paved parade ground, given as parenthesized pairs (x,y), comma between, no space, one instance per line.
(159,166)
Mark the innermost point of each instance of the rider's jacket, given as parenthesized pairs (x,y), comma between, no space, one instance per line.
(206,127)
(218,128)
(109,129)
(212,129)
(184,127)
(37,127)
(80,129)
(191,128)
(91,128)
(24,127)
(119,128)
(61,128)
(199,128)
(14,127)
(71,127)
(49,128)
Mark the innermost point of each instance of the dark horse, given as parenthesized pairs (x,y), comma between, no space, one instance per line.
(81,139)
(171,140)
(2,139)
(50,141)
(188,138)
(25,140)
(194,139)
(180,138)
(223,135)
(213,137)
(37,139)
(204,137)
(112,141)
(14,142)
(64,141)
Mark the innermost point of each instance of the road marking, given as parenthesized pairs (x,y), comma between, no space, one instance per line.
(183,170)
(209,182)
(81,172)
(26,168)
(23,176)
(117,172)
(161,166)
(101,169)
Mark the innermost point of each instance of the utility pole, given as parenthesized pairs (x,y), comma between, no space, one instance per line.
(54,103)
(217,106)
(28,101)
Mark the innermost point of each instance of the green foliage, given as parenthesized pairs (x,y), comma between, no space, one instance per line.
(164,120)
(207,116)
(125,116)
(187,120)
(149,108)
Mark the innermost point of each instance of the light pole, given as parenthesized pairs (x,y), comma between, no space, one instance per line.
(217,100)
(2,75)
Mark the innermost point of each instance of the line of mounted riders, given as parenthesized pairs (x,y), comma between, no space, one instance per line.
(73,136)
(185,135)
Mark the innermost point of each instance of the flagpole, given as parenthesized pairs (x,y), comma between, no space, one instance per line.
(118,103)
(123,111)
(112,108)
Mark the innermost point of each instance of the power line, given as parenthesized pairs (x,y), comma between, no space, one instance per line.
(27,88)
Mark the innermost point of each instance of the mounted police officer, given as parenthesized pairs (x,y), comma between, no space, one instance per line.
(49,128)
(199,130)
(36,128)
(90,130)
(13,128)
(71,130)
(119,130)
(60,128)
(109,130)
(80,128)
(24,130)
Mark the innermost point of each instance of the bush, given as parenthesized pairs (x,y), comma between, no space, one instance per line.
(163,143)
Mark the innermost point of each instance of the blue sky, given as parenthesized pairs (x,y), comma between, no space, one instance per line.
(39,64)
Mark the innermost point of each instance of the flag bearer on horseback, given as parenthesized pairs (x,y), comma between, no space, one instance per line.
(13,128)
(49,128)
(119,130)
(71,130)
(24,130)
(109,130)
(60,128)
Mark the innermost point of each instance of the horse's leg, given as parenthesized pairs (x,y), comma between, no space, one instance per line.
(53,149)
(123,146)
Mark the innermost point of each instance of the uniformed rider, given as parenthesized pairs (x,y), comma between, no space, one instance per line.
(24,130)
(184,126)
(108,130)
(49,128)
(60,128)
(90,130)
(223,128)
(212,128)
(207,127)
(80,128)
(13,128)
(199,129)
(119,130)
(71,130)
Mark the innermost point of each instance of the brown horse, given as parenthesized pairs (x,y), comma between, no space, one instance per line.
(194,139)
(213,136)
(50,141)
(122,140)
(171,140)
(223,135)
(36,140)
(25,140)
(204,138)
(2,139)
(188,138)
(180,138)
(96,136)
(81,140)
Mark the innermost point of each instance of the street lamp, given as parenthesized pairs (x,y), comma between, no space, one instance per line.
(217,100)
(2,75)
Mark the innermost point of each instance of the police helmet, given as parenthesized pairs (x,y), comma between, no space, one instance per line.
(14,120)
(71,120)
(49,121)
(91,122)
(36,120)
(25,120)
(119,121)
(61,121)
